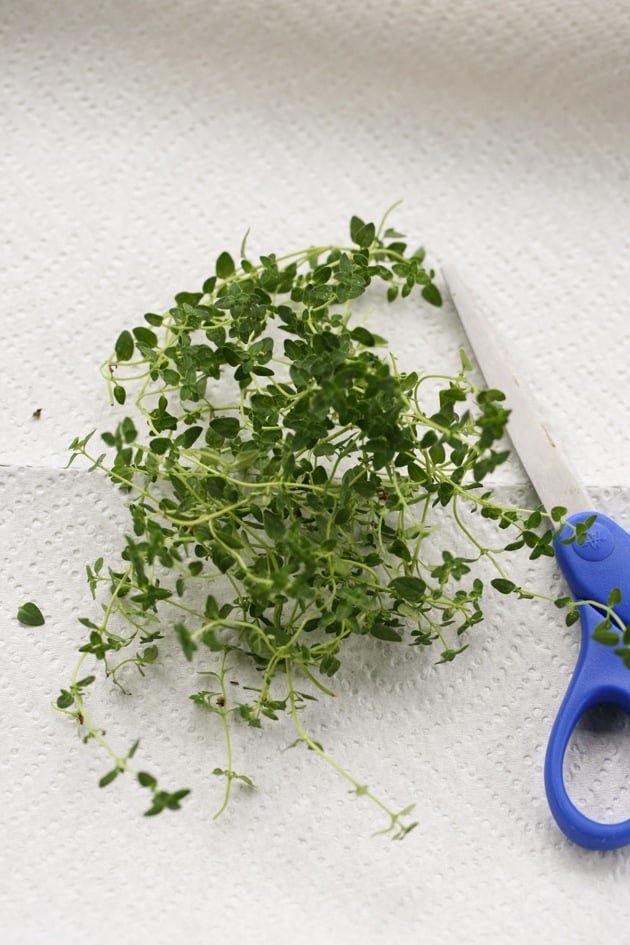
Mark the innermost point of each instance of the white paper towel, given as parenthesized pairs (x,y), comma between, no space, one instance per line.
(141,140)
(293,861)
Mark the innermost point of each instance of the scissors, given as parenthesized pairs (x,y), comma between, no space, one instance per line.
(593,568)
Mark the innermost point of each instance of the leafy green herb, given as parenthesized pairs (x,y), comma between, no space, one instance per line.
(30,615)
(272,526)
(124,346)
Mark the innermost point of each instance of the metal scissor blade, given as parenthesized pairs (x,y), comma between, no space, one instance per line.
(551,474)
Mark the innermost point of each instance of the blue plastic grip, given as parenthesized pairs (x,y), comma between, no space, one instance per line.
(592,570)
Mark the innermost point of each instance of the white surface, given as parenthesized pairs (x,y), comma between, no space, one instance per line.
(142,139)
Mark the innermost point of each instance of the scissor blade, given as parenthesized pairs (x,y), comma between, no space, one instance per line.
(551,474)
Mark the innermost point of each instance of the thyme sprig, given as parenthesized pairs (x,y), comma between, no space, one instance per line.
(292,507)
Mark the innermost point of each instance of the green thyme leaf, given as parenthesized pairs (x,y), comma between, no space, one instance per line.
(603,634)
(225,266)
(432,294)
(411,588)
(124,346)
(30,615)
(109,777)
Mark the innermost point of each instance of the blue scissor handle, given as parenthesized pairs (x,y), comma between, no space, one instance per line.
(592,569)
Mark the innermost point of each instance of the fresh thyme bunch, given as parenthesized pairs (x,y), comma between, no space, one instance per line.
(284,515)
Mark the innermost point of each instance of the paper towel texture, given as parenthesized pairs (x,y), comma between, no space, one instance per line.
(142,139)
(294,860)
